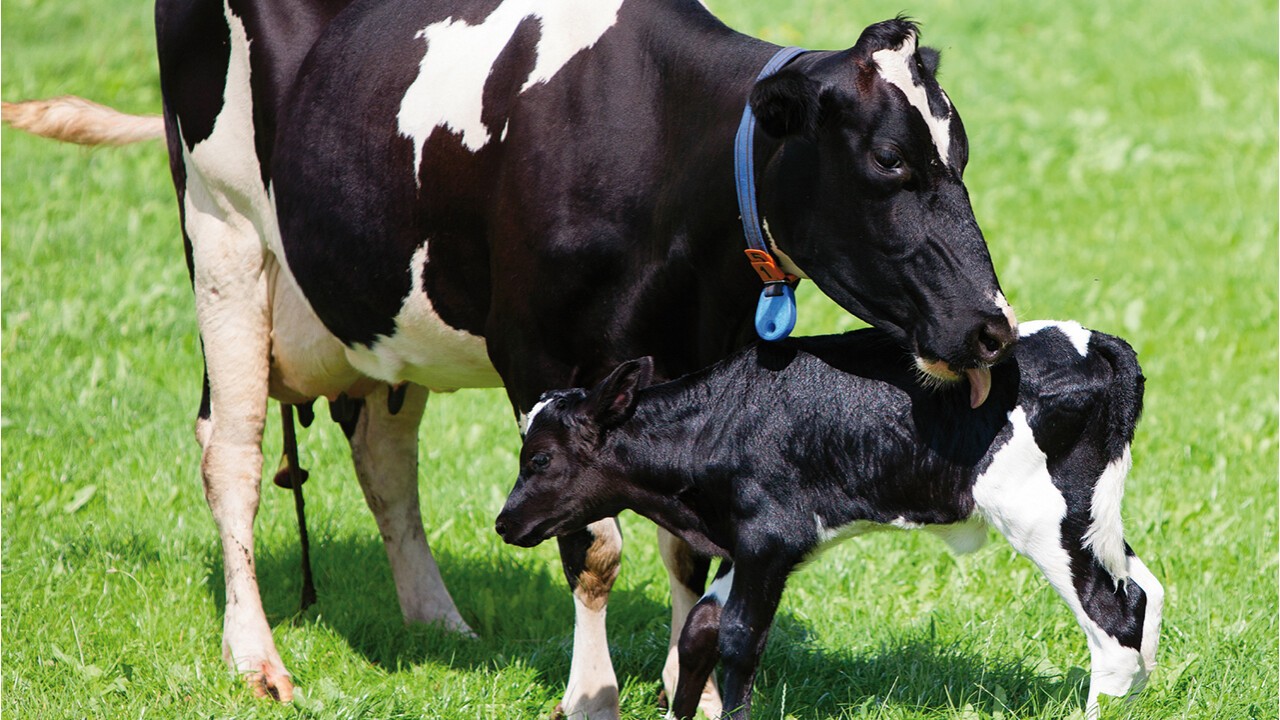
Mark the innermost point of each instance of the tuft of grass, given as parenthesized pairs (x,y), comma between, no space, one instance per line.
(1124,169)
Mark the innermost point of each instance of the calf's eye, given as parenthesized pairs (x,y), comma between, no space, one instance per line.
(539,461)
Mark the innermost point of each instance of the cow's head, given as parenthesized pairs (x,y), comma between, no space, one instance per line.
(565,482)
(864,196)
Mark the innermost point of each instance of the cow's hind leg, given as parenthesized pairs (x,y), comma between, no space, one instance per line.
(232,309)
(591,559)
(384,448)
(687,574)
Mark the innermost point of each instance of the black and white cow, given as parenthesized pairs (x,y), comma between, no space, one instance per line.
(382,198)
(774,454)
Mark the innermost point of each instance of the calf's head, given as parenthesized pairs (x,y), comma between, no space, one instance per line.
(864,195)
(565,484)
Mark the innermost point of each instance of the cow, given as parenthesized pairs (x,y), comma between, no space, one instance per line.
(773,455)
(384,199)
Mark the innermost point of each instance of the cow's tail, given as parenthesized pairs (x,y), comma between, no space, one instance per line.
(1121,406)
(76,120)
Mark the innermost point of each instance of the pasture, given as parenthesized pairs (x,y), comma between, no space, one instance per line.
(1124,170)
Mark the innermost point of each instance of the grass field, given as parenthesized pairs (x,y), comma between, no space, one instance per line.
(1124,169)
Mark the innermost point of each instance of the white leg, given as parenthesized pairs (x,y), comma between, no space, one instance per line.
(384,448)
(682,571)
(232,309)
(1017,495)
(591,559)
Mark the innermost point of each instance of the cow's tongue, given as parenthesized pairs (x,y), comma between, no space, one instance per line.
(979,385)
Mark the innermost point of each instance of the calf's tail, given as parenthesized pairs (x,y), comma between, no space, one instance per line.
(1121,406)
(76,120)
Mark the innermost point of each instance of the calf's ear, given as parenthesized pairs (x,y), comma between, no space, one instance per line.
(614,399)
(787,103)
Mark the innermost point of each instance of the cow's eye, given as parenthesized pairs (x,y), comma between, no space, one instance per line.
(887,158)
(539,461)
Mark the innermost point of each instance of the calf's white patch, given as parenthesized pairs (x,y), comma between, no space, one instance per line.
(1075,332)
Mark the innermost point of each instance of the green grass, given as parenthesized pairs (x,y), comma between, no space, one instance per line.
(1124,169)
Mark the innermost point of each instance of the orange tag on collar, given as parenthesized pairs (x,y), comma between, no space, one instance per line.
(765,266)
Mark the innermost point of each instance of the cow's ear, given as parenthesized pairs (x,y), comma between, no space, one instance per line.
(787,103)
(613,401)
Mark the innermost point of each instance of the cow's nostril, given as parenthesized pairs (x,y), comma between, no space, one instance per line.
(990,343)
(993,340)
(500,526)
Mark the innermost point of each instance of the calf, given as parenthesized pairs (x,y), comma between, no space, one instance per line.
(786,447)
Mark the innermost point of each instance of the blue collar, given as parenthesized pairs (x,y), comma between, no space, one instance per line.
(776,311)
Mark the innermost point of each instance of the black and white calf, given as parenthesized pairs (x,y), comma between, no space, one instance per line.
(383,197)
(770,455)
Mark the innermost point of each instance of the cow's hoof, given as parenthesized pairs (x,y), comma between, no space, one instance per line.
(272,682)
(558,713)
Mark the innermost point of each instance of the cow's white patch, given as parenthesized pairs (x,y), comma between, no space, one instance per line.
(1075,332)
(307,361)
(1006,308)
(449,89)
(720,588)
(1105,536)
(895,68)
(424,348)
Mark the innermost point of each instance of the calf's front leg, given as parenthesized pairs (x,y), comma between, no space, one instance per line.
(744,627)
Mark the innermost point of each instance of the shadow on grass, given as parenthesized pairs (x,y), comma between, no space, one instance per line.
(518,604)
(911,669)
(521,609)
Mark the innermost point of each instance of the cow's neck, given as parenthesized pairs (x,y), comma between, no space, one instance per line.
(709,76)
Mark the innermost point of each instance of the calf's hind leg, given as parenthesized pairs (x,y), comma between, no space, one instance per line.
(384,448)
(1118,608)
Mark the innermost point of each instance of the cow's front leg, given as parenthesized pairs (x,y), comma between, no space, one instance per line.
(744,627)
(384,448)
(687,574)
(591,559)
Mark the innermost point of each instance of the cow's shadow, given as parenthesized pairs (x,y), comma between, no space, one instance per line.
(520,608)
